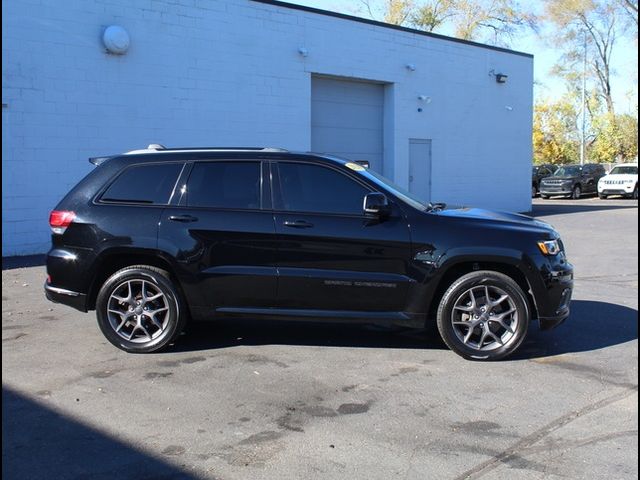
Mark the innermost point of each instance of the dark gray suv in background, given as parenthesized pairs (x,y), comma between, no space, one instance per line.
(572,181)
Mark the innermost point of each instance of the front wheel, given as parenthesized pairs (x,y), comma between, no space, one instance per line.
(544,197)
(577,192)
(140,310)
(534,191)
(483,315)
(634,195)
(602,196)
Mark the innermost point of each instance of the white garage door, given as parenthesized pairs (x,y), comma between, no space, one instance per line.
(346,119)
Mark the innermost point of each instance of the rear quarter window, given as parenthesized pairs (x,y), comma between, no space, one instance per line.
(146,184)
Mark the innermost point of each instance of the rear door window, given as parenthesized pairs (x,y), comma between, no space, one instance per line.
(235,185)
(150,184)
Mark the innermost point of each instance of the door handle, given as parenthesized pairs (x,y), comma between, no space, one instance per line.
(183,218)
(297,224)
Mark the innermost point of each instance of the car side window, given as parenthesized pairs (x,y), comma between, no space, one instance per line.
(150,184)
(224,185)
(318,189)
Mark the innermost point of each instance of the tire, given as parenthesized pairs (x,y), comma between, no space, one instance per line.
(457,308)
(602,196)
(534,191)
(576,193)
(134,324)
(634,195)
(544,197)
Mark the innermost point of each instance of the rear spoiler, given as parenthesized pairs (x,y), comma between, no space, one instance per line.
(97,161)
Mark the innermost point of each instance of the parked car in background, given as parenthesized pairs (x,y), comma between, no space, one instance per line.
(154,238)
(572,181)
(539,172)
(622,180)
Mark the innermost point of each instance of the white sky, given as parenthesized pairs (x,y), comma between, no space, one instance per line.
(625,56)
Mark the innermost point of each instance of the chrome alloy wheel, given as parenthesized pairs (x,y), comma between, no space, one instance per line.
(485,318)
(138,311)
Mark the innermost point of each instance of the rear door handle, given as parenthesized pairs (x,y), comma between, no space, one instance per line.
(297,224)
(183,218)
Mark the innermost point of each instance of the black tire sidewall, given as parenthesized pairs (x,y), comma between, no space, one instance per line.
(577,192)
(477,279)
(159,281)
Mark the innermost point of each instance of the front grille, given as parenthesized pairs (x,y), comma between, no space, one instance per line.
(614,182)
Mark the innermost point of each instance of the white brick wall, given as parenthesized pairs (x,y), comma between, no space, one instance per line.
(228,72)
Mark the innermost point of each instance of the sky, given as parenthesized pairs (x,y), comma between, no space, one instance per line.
(624,82)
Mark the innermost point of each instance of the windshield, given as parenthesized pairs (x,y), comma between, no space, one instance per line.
(570,171)
(624,171)
(398,191)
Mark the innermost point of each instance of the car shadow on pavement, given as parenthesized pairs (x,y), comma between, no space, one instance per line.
(591,326)
(38,442)
(561,209)
(233,332)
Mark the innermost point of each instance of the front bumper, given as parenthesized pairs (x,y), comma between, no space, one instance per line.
(615,190)
(67,297)
(556,306)
(555,190)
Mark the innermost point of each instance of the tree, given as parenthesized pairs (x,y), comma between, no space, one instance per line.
(594,22)
(616,138)
(555,133)
(493,21)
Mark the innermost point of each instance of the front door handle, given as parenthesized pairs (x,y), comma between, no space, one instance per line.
(183,218)
(297,224)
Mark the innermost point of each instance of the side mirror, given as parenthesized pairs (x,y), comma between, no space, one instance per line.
(376,204)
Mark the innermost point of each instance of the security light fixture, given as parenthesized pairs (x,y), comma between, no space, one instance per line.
(424,98)
(303,51)
(501,78)
(411,67)
(116,40)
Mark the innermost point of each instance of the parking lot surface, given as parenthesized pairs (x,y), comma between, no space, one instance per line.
(267,400)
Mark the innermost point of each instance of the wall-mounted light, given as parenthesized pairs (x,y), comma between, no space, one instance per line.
(508,108)
(424,98)
(501,78)
(303,51)
(411,67)
(116,40)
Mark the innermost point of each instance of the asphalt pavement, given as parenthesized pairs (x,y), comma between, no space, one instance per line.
(268,400)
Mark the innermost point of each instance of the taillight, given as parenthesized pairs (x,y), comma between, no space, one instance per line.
(59,220)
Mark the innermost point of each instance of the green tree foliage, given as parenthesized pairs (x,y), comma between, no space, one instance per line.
(555,133)
(616,138)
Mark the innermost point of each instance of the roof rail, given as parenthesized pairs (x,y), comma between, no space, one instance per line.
(156,147)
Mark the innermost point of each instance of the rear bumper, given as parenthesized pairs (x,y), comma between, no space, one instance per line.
(67,297)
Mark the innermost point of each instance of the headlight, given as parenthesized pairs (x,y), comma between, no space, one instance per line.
(549,247)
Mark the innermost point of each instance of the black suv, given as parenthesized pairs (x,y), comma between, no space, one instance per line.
(157,237)
(538,172)
(572,181)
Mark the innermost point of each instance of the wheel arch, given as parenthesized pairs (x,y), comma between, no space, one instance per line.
(458,268)
(110,261)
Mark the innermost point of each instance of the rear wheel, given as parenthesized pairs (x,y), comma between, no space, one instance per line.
(602,196)
(483,315)
(534,191)
(140,310)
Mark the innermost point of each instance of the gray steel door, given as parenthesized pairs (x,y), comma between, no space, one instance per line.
(347,119)
(420,168)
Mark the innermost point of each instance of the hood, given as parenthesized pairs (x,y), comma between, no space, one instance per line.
(625,177)
(499,219)
(563,177)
